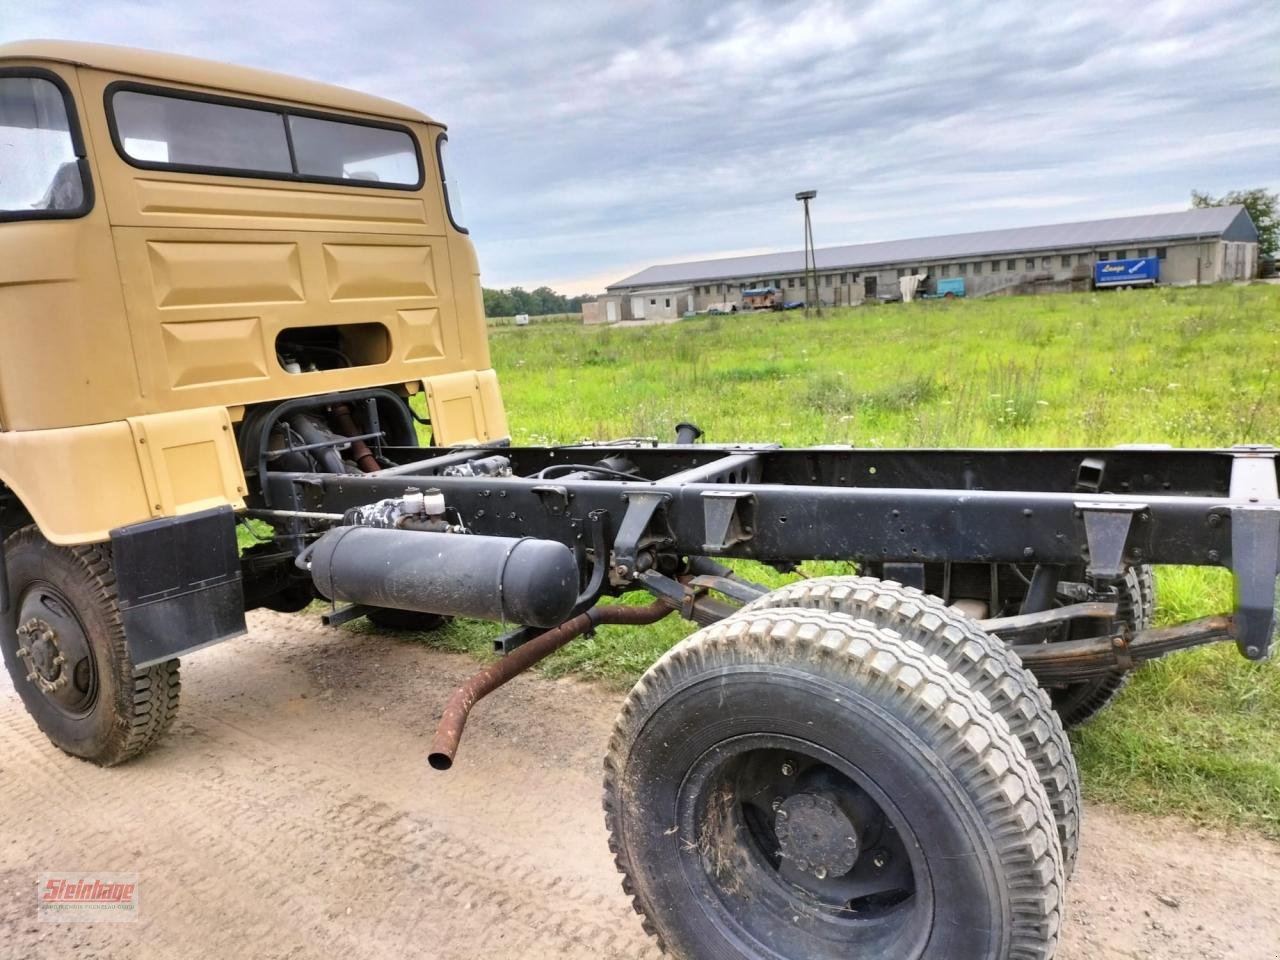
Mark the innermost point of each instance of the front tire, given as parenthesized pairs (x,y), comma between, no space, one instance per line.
(800,784)
(69,659)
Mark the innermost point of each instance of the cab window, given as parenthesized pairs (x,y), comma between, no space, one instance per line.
(41,174)
(195,133)
(159,129)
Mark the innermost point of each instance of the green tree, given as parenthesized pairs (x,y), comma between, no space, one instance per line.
(537,303)
(1263,207)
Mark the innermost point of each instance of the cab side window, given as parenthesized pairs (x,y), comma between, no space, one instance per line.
(41,174)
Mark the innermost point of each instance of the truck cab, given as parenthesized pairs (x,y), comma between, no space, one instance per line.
(181,241)
(204,270)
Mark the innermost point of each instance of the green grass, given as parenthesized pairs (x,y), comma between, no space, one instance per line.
(1197,734)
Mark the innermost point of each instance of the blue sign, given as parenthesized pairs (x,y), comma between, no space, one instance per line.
(1123,273)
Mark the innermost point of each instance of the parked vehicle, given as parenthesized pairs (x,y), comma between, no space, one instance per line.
(723,307)
(948,288)
(1138,272)
(761,298)
(230,296)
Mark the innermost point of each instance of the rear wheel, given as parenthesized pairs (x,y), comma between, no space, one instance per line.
(800,784)
(986,662)
(69,659)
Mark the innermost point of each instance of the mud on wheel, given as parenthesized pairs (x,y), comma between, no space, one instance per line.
(69,660)
(800,784)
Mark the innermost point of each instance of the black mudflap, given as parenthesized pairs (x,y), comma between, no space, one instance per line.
(179,584)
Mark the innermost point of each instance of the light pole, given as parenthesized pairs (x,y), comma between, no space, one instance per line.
(811,303)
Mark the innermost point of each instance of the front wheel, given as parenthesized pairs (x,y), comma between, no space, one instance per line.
(69,659)
(801,784)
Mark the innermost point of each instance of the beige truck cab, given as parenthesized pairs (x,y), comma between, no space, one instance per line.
(183,243)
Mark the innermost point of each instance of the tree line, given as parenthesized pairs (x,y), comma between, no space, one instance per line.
(539,302)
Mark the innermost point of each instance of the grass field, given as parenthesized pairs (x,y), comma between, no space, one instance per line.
(1197,734)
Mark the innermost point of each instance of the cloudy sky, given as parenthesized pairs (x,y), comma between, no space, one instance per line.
(593,139)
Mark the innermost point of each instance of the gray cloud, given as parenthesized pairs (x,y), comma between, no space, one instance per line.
(594,139)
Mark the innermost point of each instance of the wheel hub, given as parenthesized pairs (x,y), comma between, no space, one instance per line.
(55,649)
(816,835)
(38,648)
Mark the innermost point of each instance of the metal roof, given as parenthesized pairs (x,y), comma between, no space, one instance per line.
(1119,231)
(205,73)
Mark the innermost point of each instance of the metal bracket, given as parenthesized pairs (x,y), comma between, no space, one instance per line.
(1255,562)
(514,639)
(337,616)
(907,574)
(554,496)
(1089,474)
(1106,530)
(1120,650)
(1255,547)
(728,517)
(1253,473)
(641,506)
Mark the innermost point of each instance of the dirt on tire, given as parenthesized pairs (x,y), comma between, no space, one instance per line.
(291,813)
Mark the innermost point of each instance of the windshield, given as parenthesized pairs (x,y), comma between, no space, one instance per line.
(39,172)
(452,193)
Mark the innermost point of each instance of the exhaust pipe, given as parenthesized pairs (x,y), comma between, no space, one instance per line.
(456,711)
(526,581)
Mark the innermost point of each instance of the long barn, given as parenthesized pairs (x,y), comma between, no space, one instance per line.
(1201,245)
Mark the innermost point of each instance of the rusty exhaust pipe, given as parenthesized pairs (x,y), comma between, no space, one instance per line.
(456,711)
(360,451)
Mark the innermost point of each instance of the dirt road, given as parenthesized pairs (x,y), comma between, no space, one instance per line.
(291,814)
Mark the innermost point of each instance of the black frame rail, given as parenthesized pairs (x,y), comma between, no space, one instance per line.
(1099,510)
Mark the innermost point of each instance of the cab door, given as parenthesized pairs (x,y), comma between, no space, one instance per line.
(64,343)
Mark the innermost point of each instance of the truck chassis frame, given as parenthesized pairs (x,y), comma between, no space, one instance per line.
(640,514)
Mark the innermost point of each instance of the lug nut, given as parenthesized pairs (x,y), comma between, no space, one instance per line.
(777,804)
(820,872)
(880,859)
(788,768)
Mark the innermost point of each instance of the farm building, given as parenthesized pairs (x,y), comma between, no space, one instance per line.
(1201,245)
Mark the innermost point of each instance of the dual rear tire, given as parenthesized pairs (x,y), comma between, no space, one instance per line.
(795,781)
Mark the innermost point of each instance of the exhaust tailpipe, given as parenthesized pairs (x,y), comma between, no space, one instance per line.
(449,733)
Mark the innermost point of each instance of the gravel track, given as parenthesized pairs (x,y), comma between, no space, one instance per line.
(291,814)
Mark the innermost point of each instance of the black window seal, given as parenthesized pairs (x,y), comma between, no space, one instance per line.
(441,140)
(77,148)
(265,106)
